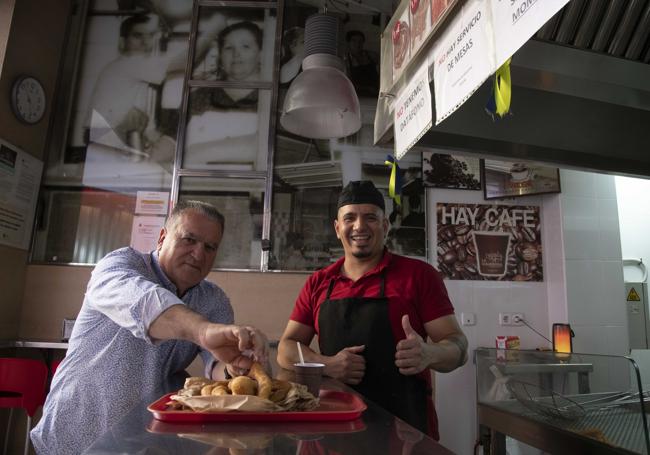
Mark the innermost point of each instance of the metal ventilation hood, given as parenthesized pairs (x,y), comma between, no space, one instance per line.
(581,95)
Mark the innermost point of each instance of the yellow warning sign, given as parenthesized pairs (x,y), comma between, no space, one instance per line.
(633,296)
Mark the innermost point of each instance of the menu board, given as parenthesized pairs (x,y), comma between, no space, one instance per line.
(20,177)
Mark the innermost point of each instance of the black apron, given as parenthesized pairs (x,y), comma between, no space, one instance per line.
(365,321)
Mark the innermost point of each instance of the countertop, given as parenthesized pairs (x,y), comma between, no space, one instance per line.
(376,431)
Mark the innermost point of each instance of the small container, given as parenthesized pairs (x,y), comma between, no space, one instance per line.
(309,374)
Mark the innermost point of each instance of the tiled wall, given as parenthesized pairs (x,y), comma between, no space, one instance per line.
(594,272)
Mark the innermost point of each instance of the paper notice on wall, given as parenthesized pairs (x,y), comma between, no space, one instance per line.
(463,57)
(152,203)
(516,21)
(413,116)
(20,178)
(145,231)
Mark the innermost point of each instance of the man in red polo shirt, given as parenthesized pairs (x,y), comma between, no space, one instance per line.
(373,311)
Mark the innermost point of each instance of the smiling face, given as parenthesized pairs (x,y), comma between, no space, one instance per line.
(361,229)
(240,55)
(187,250)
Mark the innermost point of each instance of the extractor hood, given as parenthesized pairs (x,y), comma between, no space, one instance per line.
(581,95)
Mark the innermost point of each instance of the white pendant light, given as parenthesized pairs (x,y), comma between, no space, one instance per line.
(321,102)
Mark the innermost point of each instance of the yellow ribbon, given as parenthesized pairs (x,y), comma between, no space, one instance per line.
(392,183)
(503,89)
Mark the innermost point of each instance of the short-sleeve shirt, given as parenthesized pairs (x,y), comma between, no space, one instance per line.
(111,361)
(412,287)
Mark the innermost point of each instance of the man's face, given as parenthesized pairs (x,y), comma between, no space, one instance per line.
(356,44)
(361,229)
(140,39)
(186,253)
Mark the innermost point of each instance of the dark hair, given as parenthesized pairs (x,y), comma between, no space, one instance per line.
(290,37)
(245,25)
(130,22)
(352,33)
(203,208)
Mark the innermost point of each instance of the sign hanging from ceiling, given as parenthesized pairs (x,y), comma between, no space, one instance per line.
(412,113)
(477,38)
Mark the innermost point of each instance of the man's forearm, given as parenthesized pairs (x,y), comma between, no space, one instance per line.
(180,323)
(448,354)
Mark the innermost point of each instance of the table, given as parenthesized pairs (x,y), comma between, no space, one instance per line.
(376,431)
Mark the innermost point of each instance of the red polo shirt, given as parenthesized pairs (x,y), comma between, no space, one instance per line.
(412,286)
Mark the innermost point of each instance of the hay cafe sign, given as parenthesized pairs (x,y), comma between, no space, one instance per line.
(473,38)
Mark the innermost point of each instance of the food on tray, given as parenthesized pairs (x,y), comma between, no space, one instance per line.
(400,38)
(255,392)
(263,380)
(243,385)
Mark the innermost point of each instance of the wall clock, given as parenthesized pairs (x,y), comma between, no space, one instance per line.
(28,99)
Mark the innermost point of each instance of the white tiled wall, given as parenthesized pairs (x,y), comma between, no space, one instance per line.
(594,271)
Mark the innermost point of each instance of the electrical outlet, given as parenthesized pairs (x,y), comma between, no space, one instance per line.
(511,318)
(468,318)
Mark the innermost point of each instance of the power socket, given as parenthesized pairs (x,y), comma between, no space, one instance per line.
(511,318)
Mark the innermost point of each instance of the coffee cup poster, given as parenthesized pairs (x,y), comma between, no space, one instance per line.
(489,242)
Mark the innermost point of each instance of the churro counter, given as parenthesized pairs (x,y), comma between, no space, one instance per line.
(561,403)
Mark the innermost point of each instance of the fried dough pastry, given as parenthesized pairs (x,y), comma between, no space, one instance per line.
(243,385)
(221,388)
(207,389)
(265,385)
(279,390)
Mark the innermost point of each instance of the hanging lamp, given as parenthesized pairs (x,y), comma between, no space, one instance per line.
(321,102)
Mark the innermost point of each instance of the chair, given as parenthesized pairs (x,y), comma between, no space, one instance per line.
(22,385)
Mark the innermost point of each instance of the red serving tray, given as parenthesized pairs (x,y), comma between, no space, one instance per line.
(334,406)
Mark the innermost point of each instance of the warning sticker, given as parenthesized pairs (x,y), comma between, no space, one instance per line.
(633,296)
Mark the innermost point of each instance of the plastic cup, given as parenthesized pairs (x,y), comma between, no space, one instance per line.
(309,374)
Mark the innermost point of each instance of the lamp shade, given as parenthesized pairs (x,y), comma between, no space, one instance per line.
(321,102)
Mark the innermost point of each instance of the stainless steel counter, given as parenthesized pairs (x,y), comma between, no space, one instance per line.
(376,431)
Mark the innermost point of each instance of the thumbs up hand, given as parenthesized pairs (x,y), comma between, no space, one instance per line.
(410,352)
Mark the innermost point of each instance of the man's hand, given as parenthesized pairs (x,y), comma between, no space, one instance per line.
(411,352)
(347,365)
(235,345)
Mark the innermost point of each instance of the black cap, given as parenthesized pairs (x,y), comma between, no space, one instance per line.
(361,192)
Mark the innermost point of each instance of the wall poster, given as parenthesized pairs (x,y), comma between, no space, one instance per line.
(20,177)
(489,242)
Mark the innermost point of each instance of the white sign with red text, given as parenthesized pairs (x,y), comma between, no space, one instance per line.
(463,57)
(413,116)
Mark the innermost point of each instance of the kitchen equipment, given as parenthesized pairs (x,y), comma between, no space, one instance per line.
(579,403)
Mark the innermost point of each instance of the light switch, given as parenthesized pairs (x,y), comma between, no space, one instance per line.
(467,318)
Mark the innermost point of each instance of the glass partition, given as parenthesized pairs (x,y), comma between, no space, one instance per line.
(589,396)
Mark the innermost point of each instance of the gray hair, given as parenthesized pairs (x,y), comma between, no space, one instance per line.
(204,208)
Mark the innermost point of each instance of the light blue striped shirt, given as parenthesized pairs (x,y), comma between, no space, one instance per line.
(111,361)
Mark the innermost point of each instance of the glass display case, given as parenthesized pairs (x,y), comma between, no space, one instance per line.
(561,403)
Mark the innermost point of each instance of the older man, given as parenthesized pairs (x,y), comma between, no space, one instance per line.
(144,319)
(372,311)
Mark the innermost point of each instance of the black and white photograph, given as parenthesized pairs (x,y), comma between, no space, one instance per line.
(126,113)
(451,171)
(506,179)
(361,52)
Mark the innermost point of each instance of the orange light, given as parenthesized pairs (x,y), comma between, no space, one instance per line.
(562,338)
